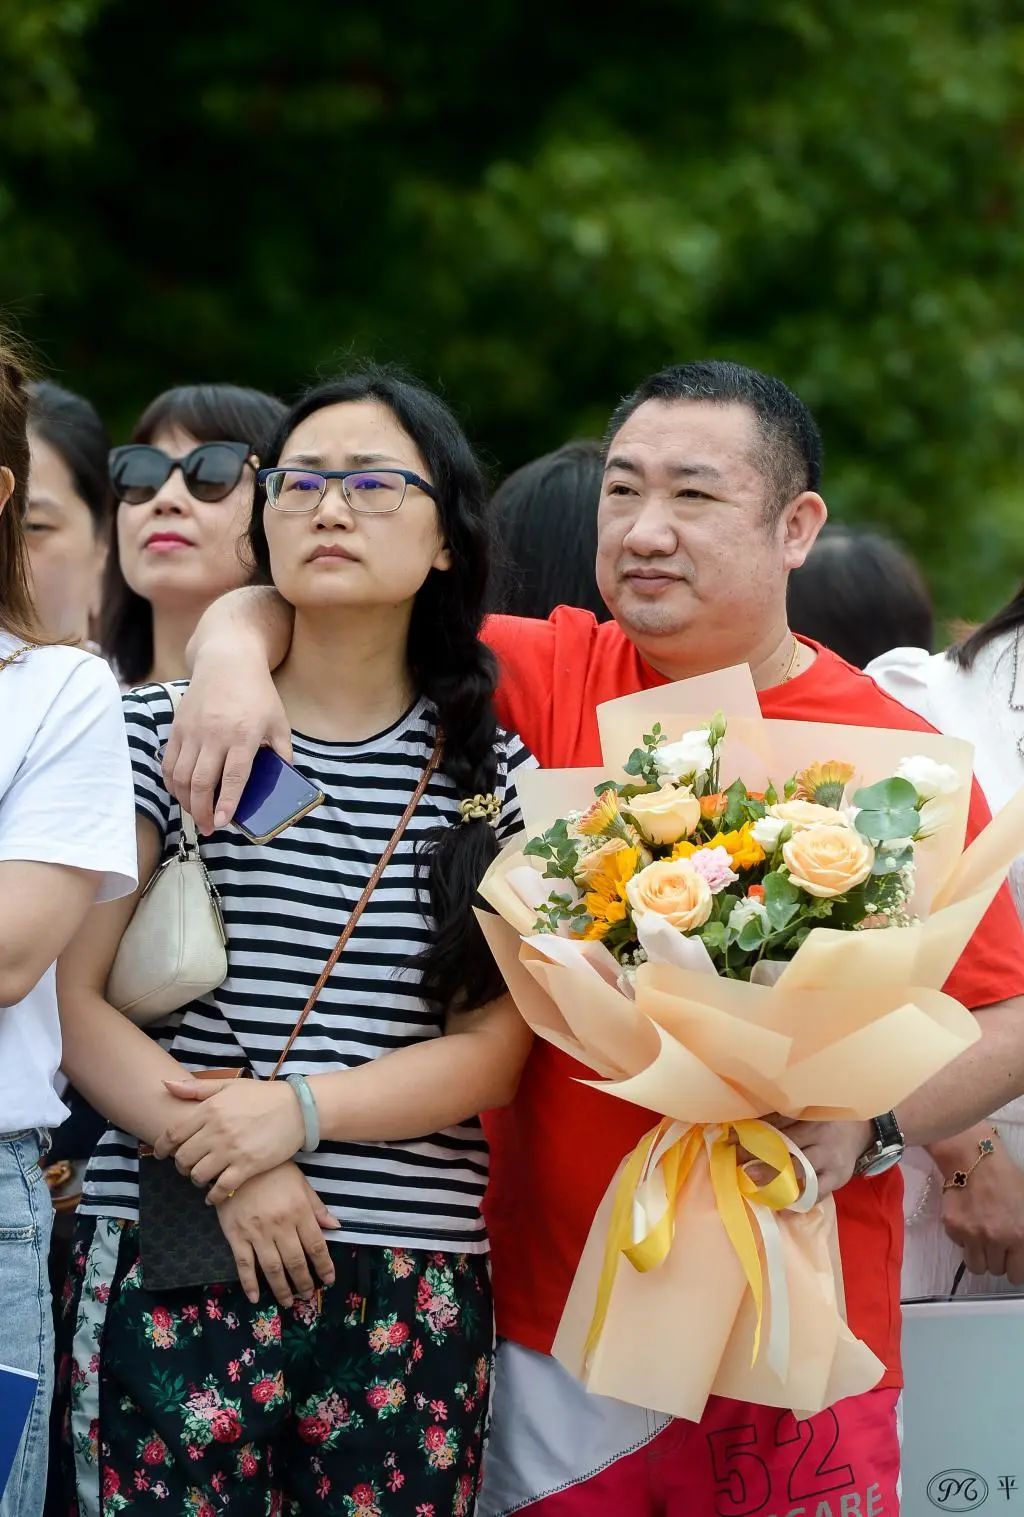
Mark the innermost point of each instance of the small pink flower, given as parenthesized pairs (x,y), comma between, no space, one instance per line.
(396,1480)
(440,1410)
(234,1370)
(714,866)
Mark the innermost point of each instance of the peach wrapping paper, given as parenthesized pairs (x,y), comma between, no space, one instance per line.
(854,1024)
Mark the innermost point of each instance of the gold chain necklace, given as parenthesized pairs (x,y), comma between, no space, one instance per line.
(13,657)
(792,663)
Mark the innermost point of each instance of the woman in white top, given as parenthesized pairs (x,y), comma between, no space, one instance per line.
(66,840)
(973,691)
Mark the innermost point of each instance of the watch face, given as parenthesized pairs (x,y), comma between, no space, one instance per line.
(880,1161)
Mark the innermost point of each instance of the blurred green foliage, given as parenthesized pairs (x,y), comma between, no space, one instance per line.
(535,205)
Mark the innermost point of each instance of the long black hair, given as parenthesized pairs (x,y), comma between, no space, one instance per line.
(1009,618)
(449,665)
(72,427)
(860,594)
(209,413)
(546,520)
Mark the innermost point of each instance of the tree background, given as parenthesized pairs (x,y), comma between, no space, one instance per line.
(535,205)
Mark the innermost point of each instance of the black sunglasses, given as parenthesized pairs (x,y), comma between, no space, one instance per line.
(210,471)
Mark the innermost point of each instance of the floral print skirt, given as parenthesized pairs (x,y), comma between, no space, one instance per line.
(370,1400)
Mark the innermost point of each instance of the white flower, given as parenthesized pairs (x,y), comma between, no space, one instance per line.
(691,757)
(933,816)
(896,845)
(747,910)
(767,832)
(928,778)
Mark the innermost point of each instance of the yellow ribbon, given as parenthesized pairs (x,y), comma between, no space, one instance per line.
(646,1242)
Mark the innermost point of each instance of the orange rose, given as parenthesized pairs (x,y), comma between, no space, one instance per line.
(828,861)
(674,891)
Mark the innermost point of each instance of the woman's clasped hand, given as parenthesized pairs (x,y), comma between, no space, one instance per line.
(231,1130)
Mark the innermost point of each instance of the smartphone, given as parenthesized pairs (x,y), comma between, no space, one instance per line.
(275,796)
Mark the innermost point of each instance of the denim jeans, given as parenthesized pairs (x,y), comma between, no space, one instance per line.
(26,1324)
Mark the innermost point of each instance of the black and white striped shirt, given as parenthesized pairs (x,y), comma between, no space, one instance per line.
(285,903)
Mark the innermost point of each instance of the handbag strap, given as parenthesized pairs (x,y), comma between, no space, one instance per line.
(188,826)
(357,910)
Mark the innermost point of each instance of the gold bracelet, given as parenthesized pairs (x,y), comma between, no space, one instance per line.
(961,1176)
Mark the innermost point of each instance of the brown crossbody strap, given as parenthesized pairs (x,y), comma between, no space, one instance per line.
(357,910)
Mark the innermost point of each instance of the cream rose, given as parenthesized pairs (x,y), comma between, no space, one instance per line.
(828,861)
(673,891)
(803,814)
(665,815)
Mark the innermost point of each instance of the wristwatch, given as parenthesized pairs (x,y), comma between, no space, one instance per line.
(886,1150)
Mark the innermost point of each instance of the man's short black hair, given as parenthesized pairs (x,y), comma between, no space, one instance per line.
(790,456)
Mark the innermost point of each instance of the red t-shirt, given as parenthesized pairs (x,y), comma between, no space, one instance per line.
(557,1146)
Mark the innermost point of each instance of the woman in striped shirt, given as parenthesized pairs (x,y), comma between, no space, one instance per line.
(357,1383)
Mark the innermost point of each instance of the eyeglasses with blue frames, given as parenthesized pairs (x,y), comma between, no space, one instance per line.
(373,492)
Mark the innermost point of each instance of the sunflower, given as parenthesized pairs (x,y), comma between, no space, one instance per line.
(825,784)
(605,901)
(603,819)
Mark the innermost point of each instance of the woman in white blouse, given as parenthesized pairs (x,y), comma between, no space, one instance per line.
(973,691)
(67,839)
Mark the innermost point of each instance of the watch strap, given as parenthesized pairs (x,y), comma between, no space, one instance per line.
(888,1130)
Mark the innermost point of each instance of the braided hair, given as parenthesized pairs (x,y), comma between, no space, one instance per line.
(448,663)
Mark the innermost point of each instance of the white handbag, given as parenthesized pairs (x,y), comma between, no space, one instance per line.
(174,949)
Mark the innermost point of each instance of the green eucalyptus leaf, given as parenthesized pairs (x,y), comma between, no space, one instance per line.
(715,937)
(752,935)
(781,900)
(881,826)
(894,794)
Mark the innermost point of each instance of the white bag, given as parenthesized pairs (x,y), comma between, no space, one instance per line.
(174,949)
(961,1405)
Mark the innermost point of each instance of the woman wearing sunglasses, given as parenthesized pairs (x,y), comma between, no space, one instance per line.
(184,486)
(366,1391)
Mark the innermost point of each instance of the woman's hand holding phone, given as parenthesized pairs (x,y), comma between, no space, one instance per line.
(229,711)
(276,1222)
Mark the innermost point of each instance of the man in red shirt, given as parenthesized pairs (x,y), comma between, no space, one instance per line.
(710,499)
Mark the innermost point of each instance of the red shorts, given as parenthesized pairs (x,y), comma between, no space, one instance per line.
(557,1452)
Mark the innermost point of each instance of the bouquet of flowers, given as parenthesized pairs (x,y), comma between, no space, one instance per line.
(690,923)
(744,875)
